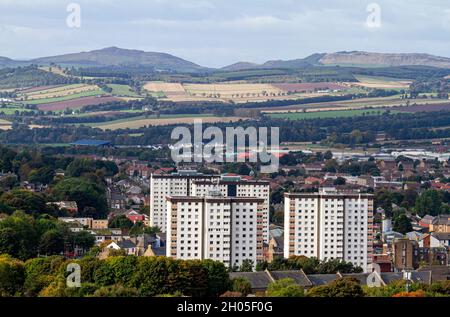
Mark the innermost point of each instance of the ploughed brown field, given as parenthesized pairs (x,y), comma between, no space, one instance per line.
(76,103)
(424,108)
(309,86)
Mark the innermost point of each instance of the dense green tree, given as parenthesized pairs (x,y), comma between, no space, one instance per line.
(51,243)
(241,285)
(342,287)
(121,222)
(402,224)
(28,201)
(84,240)
(285,288)
(89,196)
(12,276)
(218,278)
(116,291)
(429,202)
(40,273)
(246,266)
(22,235)
(383,199)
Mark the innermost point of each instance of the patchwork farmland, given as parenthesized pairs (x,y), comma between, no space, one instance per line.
(76,103)
(73,96)
(241,92)
(139,122)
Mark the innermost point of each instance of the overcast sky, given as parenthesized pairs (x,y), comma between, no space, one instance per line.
(220,32)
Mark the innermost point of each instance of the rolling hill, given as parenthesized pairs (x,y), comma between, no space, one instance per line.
(384,59)
(114,56)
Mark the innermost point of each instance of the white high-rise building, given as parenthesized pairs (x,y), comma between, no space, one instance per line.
(188,183)
(236,186)
(226,229)
(329,224)
(175,184)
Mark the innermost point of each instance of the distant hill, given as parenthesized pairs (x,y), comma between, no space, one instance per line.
(118,57)
(114,56)
(240,66)
(357,58)
(7,62)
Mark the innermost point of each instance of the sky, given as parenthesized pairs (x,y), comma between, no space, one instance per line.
(215,33)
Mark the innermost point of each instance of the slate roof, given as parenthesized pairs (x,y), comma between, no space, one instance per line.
(298,276)
(322,279)
(438,272)
(258,280)
(441,220)
(416,276)
(126,244)
(361,277)
(441,235)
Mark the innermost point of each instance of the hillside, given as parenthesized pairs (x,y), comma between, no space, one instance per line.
(384,59)
(7,62)
(114,56)
(240,66)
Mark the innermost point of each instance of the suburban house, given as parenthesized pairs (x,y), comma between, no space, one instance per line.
(440,224)
(259,281)
(127,245)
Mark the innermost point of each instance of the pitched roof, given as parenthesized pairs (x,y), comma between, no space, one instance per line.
(126,244)
(322,279)
(417,277)
(361,277)
(441,220)
(258,280)
(438,272)
(441,235)
(298,276)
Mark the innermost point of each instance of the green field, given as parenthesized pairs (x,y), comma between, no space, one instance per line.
(175,116)
(10,109)
(327,114)
(65,98)
(122,90)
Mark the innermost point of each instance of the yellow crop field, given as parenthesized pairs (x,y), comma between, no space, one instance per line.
(238,92)
(233,91)
(164,87)
(61,91)
(139,123)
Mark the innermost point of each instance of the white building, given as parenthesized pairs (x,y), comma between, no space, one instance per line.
(176,184)
(199,185)
(328,225)
(236,186)
(226,229)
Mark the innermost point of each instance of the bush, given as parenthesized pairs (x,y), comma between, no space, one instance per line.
(342,287)
(12,276)
(285,287)
(241,285)
(116,291)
